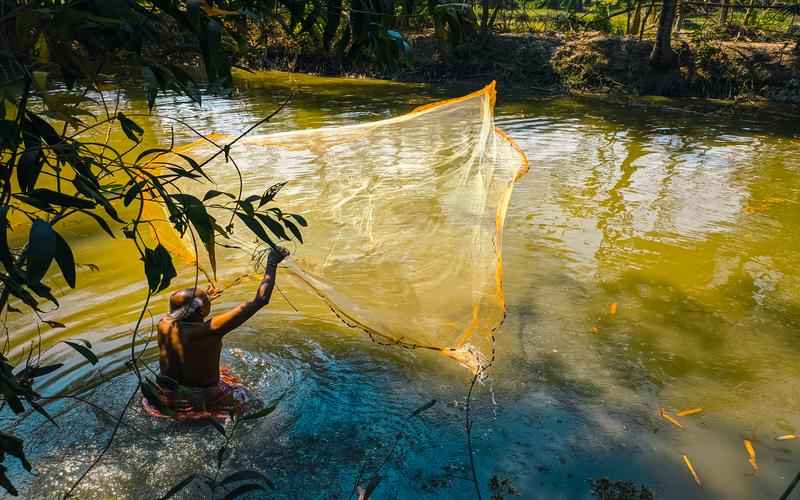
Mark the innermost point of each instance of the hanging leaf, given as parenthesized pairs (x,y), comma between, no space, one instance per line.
(133,192)
(295,231)
(40,410)
(100,221)
(49,197)
(84,351)
(212,193)
(371,486)
(131,129)
(54,324)
(65,260)
(38,371)
(150,392)
(41,250)
(29,167)
(247,475)
(178,487)
(202,222)
(425,407)
(242,490)
(270,194)
(13,446)
(254,226)
(217,425)
(267,410)
(158,268)
(273,226)
(300,219)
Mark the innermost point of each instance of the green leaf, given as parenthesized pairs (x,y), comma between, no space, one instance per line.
(131,129)
(247,475)
(41,250)
(5,251)
(41,129)
(133,192)
(38,371)
(158,268)
(178,487)
(202,222)
(151,151)
(65,260)
(254,226)
(150,86)
(267,410)
(270,193)
(40,410)
(300,219)
(84,185)
(150,392)
(425,407)
(217,425)
(13,446)
(273,226)
(50,197)
(241,490)
(295,231)
(84,351)
(212,193)
(370,489)
(28,168)
(100,221)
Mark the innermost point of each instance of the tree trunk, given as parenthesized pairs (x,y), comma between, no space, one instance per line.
(681,15)
(647,13)
(628,17)
(637,19)
(748,16)
(723,12)
(332,19)
(484,18)
(662,57)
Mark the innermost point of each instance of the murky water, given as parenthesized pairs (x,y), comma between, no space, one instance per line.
(686,221)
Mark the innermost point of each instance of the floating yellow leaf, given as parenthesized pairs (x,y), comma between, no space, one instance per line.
(751,452)
(613,309)
(787,437)
(691,470)
(595,329)
(690,411)
(669,418)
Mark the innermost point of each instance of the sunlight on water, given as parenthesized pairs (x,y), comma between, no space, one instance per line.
(687,222)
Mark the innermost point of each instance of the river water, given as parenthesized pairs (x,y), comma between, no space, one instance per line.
(681,220)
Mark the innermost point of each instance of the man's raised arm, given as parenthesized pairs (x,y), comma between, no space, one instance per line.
(229,320)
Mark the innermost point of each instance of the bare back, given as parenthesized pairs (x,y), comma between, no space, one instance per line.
(189,352)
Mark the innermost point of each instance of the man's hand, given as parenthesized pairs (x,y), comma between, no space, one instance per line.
(213,292)
(276,256)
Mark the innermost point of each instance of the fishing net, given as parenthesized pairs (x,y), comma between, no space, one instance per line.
(405,220)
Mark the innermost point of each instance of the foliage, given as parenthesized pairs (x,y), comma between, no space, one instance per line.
(53,167)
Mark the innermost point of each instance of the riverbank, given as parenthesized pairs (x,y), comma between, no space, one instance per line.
(578,62)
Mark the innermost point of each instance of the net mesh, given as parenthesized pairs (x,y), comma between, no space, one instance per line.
(405,220)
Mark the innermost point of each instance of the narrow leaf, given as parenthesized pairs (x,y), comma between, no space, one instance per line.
(241,490)
(84,351)
(425,407)
(178,487)
(65,260)
(41,250)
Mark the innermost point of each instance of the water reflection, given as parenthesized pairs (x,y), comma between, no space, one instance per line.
(686,221)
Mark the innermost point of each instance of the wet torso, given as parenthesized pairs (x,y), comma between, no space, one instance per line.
(188,353)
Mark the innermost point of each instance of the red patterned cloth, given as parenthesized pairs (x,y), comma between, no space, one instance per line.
(228,397)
